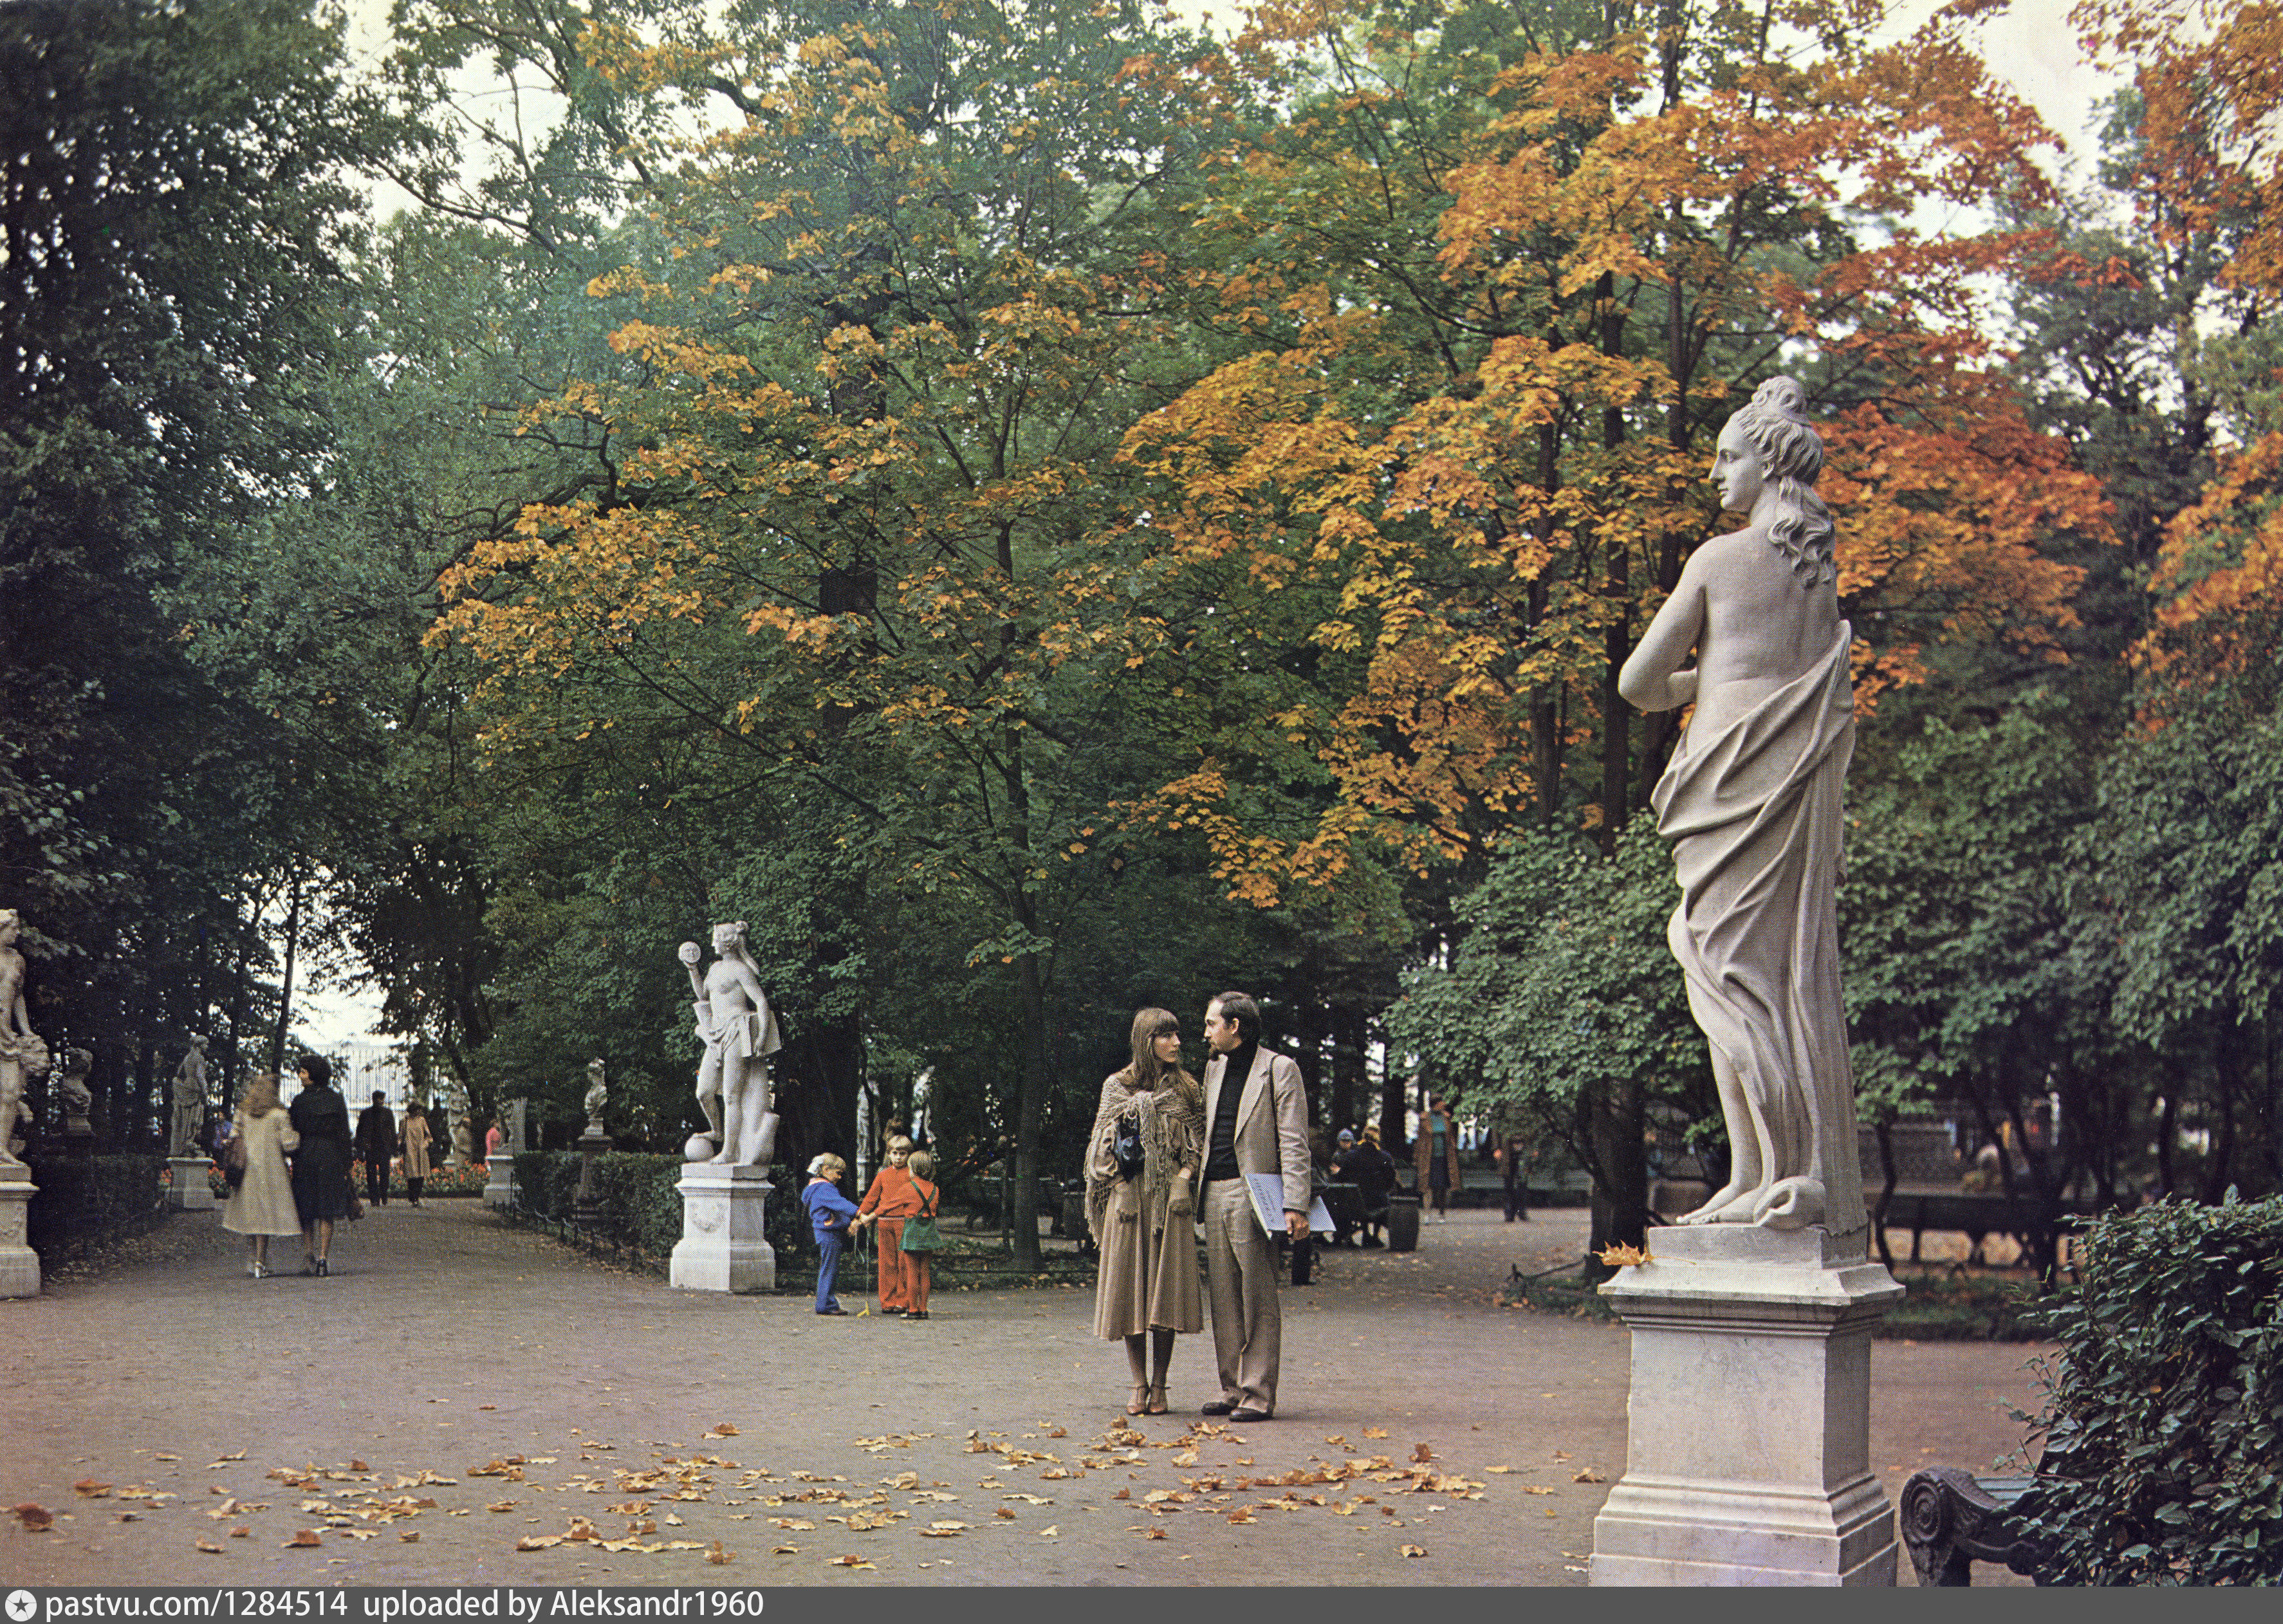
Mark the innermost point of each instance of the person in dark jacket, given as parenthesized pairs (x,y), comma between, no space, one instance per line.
(1372,1171)
(322,1187)
(376,1147)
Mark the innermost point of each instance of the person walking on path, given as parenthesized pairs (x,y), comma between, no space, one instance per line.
(921,1168)
(376,1147)
(417,1140)
(1143,1216)
(1257,1110)
(1436,1155)
(262,1204)
(322,1190)
(829,1215)
(887,1204)
(1514,1160)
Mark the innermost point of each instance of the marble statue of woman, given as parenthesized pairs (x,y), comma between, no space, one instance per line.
(740,1034)
(1752,805)
(189,1097)
(23,1053)
(598,1095)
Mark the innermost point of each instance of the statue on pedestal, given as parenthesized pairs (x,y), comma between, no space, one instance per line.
(1752,805)
(190,1096)
(740,1034)
(23,1055)
(597,1097)
(71,1097)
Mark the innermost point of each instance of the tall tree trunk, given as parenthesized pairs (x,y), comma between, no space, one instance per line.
(286,982)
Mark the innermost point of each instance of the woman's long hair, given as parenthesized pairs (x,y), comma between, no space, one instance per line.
(1791,453)
(260,1096)
(1144,1069)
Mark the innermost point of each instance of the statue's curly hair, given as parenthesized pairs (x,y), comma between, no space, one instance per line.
(1776,422)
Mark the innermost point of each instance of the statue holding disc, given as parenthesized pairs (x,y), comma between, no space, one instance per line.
(740,1034)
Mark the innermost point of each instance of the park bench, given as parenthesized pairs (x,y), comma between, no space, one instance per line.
(1951,1519)
(1976,1215)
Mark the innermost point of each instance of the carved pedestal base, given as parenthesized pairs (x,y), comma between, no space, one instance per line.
(723,1247)
(19,1265)
(499,1186)
(1748,1444)
(187,1189)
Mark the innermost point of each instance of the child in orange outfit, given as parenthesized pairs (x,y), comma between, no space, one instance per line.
(922,1169)
(891,1200)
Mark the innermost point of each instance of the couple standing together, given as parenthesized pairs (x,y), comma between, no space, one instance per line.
(1199,1141)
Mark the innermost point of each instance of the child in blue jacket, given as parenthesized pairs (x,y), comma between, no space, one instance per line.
(830,1214)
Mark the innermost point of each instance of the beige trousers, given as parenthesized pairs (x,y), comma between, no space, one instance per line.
(1248,1326)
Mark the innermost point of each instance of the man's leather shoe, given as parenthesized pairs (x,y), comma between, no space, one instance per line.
(1249,1415)
(1218,1407)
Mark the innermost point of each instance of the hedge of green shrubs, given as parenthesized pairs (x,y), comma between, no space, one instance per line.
(81,1202)
(639,1207)
(2161,1426)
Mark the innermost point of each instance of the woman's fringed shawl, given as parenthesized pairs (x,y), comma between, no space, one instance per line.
(1173,1131)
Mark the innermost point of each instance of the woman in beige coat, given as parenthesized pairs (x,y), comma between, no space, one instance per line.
(416,1141)
(1148,1290)
(262,1204)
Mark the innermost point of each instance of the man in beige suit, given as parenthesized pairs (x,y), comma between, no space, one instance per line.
(1258,1125)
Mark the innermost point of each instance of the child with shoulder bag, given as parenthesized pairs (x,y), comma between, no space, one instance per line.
(922,1239)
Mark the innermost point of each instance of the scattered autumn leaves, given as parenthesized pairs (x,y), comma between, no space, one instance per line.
(354,1503)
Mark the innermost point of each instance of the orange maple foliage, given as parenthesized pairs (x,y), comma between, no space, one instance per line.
(1482,450)
(2210,76)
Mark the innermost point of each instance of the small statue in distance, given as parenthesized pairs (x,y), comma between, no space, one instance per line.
(597,1097)
(189,1097)
(740,1034)
(23,1053)
(1752,803)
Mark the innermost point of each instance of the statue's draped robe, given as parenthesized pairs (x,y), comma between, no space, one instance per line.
(1753,812)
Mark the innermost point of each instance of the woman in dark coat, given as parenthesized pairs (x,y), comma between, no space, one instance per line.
(322,1190)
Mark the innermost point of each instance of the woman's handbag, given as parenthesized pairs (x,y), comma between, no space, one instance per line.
(233,1161)
(1125,1144)
(920,1232)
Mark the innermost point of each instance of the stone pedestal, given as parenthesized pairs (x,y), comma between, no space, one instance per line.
(722,1245)
(499,1187)
(1749,1423)
(187,1189)
(586,1205)
(19,1265)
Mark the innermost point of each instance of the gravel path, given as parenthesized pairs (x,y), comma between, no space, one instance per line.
(459,1389)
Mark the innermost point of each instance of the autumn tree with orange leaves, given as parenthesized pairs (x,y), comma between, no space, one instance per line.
(1501,280)
(867,537)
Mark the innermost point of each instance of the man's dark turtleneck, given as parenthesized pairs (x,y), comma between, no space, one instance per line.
(1221,1145)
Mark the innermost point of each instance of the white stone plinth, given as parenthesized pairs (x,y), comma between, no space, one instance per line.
(19,1265)
(723,1247)
(187,1190)
(1749,1425)
(498,1188)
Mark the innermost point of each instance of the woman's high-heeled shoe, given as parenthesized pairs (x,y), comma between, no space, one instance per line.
(1157,1399)
(322,1271)
(1140,1404)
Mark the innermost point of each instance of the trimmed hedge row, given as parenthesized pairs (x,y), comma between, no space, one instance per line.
(80,1203)
(638,1205)
(2161,1425)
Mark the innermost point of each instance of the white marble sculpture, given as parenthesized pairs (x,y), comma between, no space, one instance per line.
(740,1034)
(1752,805)
(69,1094)
(190,1096)
(23,1055)
(597,1097)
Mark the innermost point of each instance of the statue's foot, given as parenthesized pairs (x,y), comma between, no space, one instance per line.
(728,1158)
(1790,1203)
(1728,1195)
